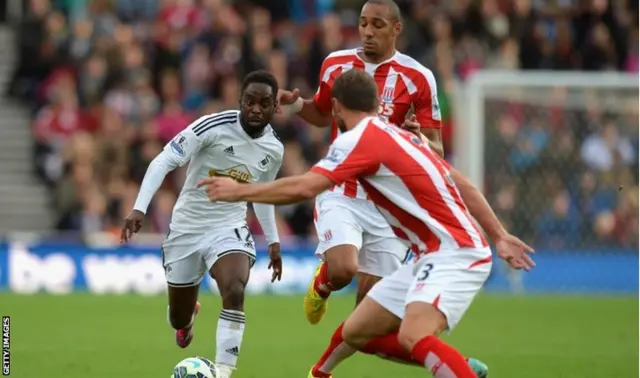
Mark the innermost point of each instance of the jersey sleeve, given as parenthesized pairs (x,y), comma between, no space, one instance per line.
(425,100)
(349,157)
(322,98)
(175,154)
(189,141)
(266,213)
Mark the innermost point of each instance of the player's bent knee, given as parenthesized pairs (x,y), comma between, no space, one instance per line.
(420,320)
(353,335)
(342,264)
(232,292)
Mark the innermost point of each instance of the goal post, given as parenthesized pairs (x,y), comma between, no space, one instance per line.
(551,151)
(470,99)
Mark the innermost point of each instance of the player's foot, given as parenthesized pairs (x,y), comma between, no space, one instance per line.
(314,304)
(478,367)
(185,335)
(312,375)
(224,371)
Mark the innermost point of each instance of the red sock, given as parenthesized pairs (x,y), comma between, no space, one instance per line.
(388,347)
(443,360)
(321,282)
(335,353)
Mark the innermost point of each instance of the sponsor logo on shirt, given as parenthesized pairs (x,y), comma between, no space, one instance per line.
(240,173)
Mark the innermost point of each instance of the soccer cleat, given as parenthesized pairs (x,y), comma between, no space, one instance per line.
(314,305)
(313,376)
(478,367)
(185,335)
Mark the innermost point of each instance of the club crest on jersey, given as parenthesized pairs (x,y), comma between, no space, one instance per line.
(239,173)
(264,162)
(388,93)
(178,144)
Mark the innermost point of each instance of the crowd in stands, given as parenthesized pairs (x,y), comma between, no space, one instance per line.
(111,81)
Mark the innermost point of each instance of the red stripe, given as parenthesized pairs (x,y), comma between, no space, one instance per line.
(414,224)
(423,189)
(458,231)
(403,235)
(486,260)
(423,96)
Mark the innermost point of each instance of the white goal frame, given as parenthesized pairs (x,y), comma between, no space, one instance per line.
(469,106)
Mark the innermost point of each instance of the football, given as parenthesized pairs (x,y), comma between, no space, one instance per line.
(195,367)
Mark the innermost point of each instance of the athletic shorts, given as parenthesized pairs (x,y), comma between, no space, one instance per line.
(188,257)
(342,220)
(447,279)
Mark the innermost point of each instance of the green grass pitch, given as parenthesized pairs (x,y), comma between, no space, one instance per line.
(127,336)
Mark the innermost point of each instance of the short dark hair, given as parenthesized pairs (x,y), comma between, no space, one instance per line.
(394,9)
(356,90)
(261,77)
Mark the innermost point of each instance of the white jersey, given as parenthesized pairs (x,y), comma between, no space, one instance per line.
(215,145)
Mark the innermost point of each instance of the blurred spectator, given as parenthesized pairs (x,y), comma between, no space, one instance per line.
(607,149)
(112,80)
(559,226)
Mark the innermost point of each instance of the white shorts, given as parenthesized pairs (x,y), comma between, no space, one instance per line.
(342,220)
(188,257)
(447,279)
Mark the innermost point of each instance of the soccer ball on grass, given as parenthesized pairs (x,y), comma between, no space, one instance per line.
(195,367)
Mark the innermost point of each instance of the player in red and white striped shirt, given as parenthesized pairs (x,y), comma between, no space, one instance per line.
(354,239)
(428,204)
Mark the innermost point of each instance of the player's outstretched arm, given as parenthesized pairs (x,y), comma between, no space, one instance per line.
(176,153)
(153,178)
(509,247)
(478,206)
(280,192)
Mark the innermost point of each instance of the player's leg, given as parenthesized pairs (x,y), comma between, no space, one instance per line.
(340,239)
(229,259)
(231,273)
(374,261)
(183,307)
(184,269)
(441,291)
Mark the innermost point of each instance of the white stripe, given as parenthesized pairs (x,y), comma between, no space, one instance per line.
(394,222)
(327,73)
(411,87)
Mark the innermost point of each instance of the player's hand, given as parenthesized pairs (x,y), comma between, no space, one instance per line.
(287,98)
(220,188)
(275,262)
(515,252)
(132,224)
(411,124)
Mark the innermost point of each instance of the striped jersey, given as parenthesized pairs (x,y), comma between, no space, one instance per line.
(403,85)
(217,145)
(410,184)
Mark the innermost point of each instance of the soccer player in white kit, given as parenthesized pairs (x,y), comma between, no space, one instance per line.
(210,236)
(427,203)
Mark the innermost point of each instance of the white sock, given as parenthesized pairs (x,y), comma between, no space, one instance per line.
(229,337)
(193,318)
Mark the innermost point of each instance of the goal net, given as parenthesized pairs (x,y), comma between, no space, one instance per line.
(557,156)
